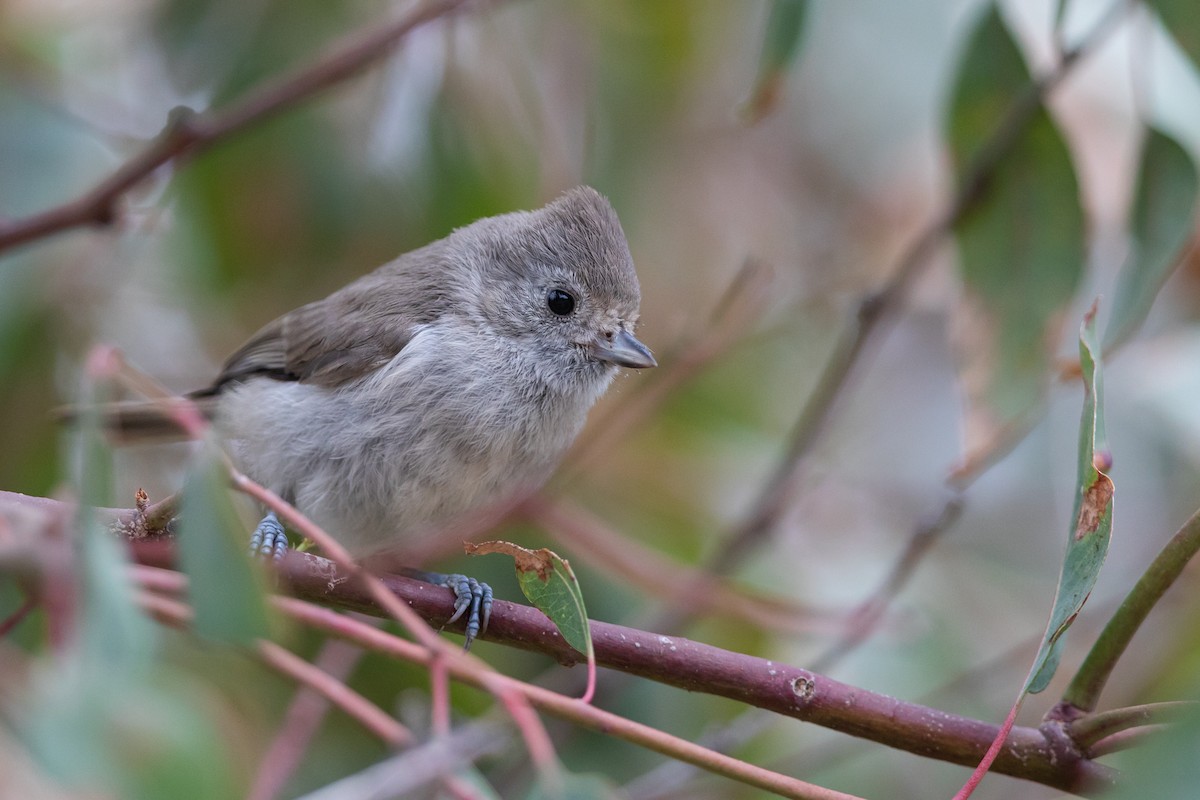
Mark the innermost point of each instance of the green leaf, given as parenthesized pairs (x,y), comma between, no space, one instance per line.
(125,735)
(113,633)
(1020,237)
(547,581)
(1163,212)
(92,454)
(103,715)
(781,44)
(1091,529)
(225,589)
(1181,19)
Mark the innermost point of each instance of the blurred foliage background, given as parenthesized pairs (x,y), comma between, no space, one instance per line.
(503,107)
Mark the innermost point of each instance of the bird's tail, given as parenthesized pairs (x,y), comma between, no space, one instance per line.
(132,421)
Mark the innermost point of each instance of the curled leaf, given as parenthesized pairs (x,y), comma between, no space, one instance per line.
(1091,528)
(547,581)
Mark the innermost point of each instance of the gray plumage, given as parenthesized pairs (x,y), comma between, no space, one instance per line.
(443,380)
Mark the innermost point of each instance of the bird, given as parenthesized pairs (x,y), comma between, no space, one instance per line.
(445,380)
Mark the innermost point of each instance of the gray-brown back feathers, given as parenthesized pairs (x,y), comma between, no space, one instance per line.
(362,326)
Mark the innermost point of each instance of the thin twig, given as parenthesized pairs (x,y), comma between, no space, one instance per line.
(865,618)
(415,769)
(187,133)
(182,411)
(14,619)
(159,579)
(322,683)
(989,757)
(534,733)
(657,575)
(1088,730)
(1125,740)
(439,698)
(671,778)
(559,705)
(369,715)
(300,722)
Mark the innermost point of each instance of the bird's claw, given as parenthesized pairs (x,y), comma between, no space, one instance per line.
(471,597)
(269,539)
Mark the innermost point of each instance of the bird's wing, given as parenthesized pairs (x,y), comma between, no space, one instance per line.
(331,341)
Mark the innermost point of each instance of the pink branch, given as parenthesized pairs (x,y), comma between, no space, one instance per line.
(300,723)
(791,691)
(559,705)
(537,740)
(369,715)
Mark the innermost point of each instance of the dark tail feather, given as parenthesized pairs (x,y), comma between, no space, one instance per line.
(140,420)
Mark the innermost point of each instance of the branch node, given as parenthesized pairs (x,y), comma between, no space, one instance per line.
(184,127)
(1057,731)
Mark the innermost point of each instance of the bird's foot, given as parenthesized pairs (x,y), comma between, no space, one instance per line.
(269,539)
(471,597)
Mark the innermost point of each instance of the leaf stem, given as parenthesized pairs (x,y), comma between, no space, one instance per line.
(1125,740)
(1089,730)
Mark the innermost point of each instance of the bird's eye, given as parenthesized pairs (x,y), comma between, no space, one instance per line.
(560,302)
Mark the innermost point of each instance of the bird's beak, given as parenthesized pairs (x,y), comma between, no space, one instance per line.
(623,349)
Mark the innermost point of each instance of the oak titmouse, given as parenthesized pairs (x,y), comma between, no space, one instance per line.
(440,382)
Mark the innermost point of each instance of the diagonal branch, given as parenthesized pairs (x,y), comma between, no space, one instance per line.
(866,616)
(300,723)
(369,637)
(409,772)
(187,133)
(559,705)
(282,660)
